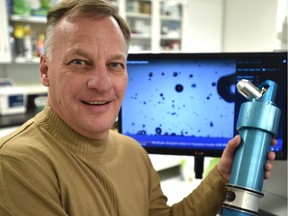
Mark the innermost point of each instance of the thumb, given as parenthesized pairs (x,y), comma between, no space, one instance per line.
(226,161)
(232,146)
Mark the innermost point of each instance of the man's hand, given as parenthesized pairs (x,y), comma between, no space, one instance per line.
(225,164)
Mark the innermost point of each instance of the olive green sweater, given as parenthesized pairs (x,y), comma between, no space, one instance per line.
(46,168)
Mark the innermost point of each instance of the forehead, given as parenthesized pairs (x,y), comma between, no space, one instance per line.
(82,29)
(66,25)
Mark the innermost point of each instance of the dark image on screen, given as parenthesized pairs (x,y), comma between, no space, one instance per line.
(180,103)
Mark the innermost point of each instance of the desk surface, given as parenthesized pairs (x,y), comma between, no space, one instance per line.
(16,120)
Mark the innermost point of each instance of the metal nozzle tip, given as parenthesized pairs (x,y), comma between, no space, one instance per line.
(248,90)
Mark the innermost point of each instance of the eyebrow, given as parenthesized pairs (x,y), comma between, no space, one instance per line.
(118,56)
(74,51)
(80,52)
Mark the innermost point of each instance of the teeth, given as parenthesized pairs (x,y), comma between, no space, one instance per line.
(96,102)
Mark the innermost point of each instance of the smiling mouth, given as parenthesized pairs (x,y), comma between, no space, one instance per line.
(97,103)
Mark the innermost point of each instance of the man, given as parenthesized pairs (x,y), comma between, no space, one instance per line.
(66,160)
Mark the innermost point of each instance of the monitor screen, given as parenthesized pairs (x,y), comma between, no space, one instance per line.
(187,103)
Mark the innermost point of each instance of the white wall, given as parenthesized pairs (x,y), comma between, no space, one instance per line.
(203,30)
(233,25)
(250,25)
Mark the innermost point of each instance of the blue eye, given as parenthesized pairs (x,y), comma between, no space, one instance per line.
(116,65)
(78,62)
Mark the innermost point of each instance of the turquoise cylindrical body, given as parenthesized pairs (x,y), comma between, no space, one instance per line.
(233,212)
(257,124)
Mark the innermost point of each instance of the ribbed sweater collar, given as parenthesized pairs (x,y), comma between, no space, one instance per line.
(65,135)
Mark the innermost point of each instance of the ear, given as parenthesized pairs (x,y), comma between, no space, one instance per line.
(44,68)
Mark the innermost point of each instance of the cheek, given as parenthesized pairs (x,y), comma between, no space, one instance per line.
(121,86)
(61,84)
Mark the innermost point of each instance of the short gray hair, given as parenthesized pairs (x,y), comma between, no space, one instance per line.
(74,8)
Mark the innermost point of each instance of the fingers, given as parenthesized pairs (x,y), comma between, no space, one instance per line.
(274,142)
(268,169)
(267,175)
(226,161)
(268,166)
(271,155)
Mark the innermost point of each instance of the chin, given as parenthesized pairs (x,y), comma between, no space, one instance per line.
(101,128)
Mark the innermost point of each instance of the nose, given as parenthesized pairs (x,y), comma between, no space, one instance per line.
(99,80)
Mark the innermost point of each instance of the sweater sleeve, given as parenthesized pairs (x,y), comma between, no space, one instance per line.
(206,199)
(22,191)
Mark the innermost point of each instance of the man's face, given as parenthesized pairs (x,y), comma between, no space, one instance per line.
(87,74)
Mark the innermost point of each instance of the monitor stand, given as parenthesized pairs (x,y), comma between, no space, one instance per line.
(198,166)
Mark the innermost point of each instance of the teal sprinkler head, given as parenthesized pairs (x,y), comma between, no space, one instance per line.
(250,91)
(257,123)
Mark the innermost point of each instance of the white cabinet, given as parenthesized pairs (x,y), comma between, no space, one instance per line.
(171,25)
(156,25)
(5,52)
(139,18)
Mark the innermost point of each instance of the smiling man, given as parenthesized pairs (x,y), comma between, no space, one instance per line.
(66,160)
(86,74)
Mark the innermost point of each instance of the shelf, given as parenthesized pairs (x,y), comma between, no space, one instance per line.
(141,36)
(170,18)
(29,19)
(172,37)
(23,60)
(138,15)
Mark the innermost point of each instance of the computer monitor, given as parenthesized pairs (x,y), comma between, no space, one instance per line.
(187,103)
